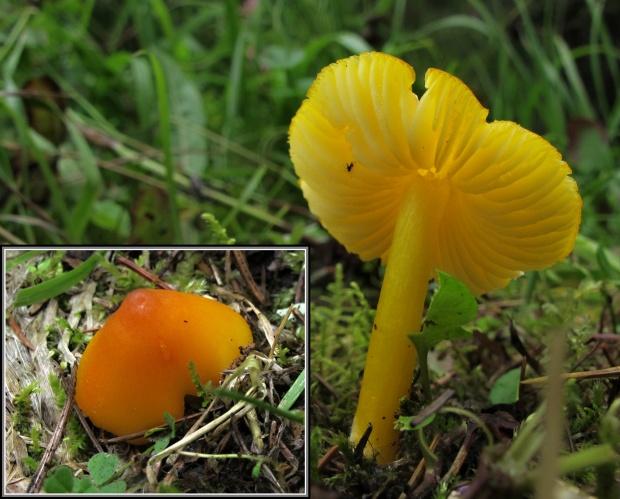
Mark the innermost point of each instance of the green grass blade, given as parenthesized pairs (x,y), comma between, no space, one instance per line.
(297,416)
(57,285)
(164,128)
(26,138)
(247,193)
(579,92)
(161,12)
(24,257)
(294,392)
(90,188)
(15,37)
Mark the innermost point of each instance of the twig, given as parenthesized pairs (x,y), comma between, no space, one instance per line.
(599,341)
(87,428)
(326,385)
(143,272)
(608,372)
(299,291)
(516,342)
(417,474)
(432,408)
(37,479)
(242,408)
(141,434)
(244,269)
(458,461)
(279,330)
(327,457)
(18,331)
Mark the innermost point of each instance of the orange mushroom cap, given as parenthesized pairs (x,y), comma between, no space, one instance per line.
(137,366)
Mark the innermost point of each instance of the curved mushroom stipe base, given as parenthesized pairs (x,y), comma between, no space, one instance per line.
(388,373)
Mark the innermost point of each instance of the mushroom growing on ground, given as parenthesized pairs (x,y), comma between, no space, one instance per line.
(424,184)
(137,365)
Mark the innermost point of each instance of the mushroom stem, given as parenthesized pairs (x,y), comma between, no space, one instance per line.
(391,355)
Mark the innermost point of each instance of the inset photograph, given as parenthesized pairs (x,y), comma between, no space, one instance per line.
(156,370)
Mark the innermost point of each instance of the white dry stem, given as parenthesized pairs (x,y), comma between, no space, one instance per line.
(241,407)
(251,366)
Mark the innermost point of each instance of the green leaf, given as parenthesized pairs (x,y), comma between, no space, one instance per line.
(280,57)
(433,335)
(111,216)
(256,469)
(144,91)
(102,467)
(57,285)
(602,257)
(161,443)
(61,482)
(506,388)
(404,422)
(114,487)
(172,422)
(83,485)
(353,42)
(187,117)
(452,305)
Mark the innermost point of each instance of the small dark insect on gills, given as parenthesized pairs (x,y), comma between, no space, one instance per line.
(349,166)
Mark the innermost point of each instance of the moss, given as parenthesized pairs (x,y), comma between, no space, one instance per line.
(23,407)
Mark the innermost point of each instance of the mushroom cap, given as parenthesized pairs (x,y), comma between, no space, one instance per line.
(362,137)
(137,365)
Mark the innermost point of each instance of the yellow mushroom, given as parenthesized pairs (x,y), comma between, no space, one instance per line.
(424,184)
